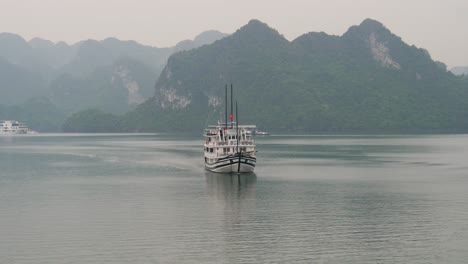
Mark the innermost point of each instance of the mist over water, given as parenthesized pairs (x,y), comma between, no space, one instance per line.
(147,199)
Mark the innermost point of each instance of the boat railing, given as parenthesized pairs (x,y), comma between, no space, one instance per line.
(230,143)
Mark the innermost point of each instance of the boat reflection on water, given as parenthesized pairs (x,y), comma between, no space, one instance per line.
(230,185)
(232,204)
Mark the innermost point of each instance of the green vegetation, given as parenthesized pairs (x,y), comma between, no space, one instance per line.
(116,88)
(17,84)
(38,113)
(92,121)
(366,81)
(111,75)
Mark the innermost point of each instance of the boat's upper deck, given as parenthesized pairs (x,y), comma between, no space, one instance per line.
(221,135)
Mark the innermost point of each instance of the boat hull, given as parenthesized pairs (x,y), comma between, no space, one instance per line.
(232,164)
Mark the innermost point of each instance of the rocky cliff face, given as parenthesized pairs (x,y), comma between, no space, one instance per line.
(368,79)
(370,40)
(85,74)
(381,53)
(122,76)
(170,95)
(175,91)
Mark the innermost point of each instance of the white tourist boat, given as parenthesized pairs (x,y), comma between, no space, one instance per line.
(229,148)
(11,127)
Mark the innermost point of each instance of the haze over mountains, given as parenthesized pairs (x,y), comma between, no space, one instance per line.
(460,70)
(367,80)
(111,75)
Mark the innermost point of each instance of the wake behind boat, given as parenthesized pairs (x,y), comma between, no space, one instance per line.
(229,148)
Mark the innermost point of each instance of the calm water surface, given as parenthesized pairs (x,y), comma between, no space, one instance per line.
(313,199)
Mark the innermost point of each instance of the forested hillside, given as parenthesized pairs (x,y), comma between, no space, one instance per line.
(110,75)
(367,80)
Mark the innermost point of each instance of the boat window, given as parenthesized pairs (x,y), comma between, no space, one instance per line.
(211,150)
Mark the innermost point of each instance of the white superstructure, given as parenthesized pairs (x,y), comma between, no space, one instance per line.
(229,149)
(13,127)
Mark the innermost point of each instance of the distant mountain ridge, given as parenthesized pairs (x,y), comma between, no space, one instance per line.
(205,38)
(460,70)
(367,80)
(18,84)
(84,56)
(111,75)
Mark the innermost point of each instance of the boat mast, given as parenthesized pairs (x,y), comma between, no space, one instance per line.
(237,136)
(237,129)
(225,106)
(231,109)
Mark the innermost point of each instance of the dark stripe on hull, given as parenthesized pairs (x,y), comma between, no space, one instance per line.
(231,164)
(254,159)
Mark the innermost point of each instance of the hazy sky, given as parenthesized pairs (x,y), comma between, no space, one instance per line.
(439,26)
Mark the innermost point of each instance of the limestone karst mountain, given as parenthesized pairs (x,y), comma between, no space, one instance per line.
(366,80)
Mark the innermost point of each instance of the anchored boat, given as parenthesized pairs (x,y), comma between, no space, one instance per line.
(9,127)
(229,148)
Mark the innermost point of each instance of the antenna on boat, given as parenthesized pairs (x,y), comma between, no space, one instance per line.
(237,128)
(231,109)
(225,106)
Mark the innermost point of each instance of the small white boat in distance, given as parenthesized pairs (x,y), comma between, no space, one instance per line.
(258,133)
(11,127)
(229,148)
